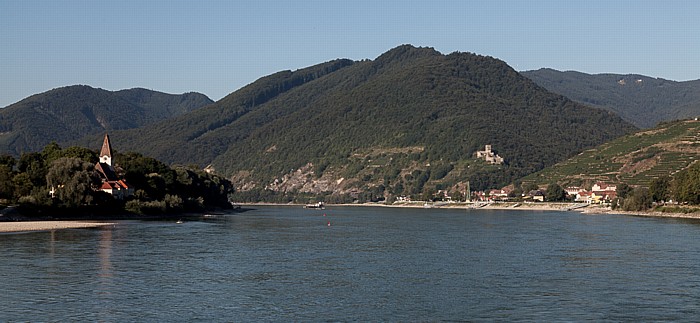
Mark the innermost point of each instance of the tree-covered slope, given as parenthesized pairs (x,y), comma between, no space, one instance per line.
(409,121)
(641,100)
(635,159)
(68,113)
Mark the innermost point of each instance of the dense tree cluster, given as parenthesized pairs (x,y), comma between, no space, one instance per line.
(65,180)
(683,187)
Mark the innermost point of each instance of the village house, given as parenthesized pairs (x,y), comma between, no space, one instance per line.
(489,156)
(535,195)
(599,193)
(499,195)
(111,183)
(600,187)
(479,196)
(573,190)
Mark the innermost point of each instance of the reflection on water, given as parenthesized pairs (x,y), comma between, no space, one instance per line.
(287,264)
(105,251)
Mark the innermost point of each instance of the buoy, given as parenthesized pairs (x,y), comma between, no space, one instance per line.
(329,223)
(324,214)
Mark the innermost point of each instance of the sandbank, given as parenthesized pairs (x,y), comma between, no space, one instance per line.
(23,226)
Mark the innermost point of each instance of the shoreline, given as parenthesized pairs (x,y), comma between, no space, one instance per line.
(544,206)
(515,206)
(50,225)
(32,226)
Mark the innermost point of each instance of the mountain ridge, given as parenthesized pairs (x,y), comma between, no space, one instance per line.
(448,106)
(642,100)
(68,113)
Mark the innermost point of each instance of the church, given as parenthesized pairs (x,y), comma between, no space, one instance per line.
(111,183)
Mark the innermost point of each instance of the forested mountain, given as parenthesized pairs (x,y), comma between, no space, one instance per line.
(641,100)
(72,112)
(406,123)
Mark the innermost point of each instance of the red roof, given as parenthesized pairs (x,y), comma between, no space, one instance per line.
(123,184)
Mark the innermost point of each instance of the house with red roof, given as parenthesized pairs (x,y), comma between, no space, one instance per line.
(599,193)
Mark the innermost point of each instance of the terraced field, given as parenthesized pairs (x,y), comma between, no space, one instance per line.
(634,159)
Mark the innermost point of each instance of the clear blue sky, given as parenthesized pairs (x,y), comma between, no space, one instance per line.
(216,47)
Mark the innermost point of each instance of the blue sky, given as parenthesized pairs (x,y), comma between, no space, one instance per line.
(216,47)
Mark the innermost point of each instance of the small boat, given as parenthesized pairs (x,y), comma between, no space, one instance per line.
(180,221)
(318,205)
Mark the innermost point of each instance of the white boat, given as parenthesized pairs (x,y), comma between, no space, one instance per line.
(318,205)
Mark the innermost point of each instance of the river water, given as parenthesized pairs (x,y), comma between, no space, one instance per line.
(370,264)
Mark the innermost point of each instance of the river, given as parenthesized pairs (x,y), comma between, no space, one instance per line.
(281,264)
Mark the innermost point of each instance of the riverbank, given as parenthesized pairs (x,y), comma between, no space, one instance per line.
(27,226)
(656,214)
(539,206)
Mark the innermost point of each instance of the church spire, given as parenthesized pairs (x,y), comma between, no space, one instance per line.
(106,152)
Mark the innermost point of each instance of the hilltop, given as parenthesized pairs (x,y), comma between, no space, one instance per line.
(72,112)
(635,159)
(639,99)
(407,123)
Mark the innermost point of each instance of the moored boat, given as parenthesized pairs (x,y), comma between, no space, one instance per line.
(318,205)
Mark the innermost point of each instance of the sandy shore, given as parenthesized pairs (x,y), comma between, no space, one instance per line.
(47,225)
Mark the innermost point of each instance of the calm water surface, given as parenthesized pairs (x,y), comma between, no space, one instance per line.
(370,264)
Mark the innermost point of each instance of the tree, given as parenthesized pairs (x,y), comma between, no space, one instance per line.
(51,152)
(73,181)
(530,187)
(22,185)
(515,193)
(7,160)
(81,153)
(623,190)
(6,187)
(555,192)
(659,189)
(686,185)
(35,166)
(638,200)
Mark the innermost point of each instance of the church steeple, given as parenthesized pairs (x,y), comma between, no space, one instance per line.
(106,152)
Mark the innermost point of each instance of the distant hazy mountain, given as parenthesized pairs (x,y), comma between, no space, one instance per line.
(72,112)
(408,122)
(641,100)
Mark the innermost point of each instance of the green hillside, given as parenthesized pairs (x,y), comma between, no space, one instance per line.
(408,122)
(641,100)
(635,159)
(68,113)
